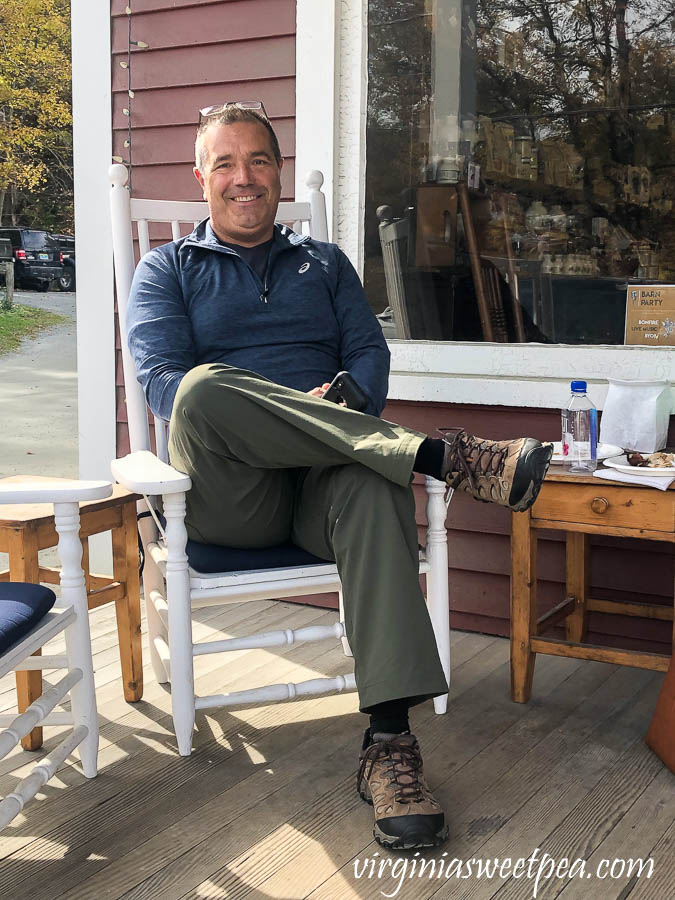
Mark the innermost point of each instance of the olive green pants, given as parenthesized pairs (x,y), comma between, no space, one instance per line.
(270,464)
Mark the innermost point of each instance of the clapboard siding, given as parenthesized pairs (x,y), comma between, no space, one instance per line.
(210,64)
(199,53)
(174,144)
(173,26)
(152,180)
(166,106)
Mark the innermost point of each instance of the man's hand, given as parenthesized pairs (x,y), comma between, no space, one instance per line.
(319,391)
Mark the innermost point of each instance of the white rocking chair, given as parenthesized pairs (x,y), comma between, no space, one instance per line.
(29,619)
(171,585)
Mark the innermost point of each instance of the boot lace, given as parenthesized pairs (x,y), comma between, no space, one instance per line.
(471,458)
(403,761)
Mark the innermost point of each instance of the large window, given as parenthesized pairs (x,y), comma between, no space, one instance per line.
(523,153)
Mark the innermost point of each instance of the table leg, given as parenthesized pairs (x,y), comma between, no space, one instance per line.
(523,605)
(128,608)
(24,566)
(578,574)
(85,563)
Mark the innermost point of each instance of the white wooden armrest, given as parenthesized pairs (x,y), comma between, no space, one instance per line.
(61,491)
(144,473)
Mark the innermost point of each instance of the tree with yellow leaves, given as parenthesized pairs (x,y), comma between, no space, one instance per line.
(36,170)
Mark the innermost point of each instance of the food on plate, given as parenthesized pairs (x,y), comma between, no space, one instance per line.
(661,460)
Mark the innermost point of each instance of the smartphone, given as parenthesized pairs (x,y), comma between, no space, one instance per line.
(344,388)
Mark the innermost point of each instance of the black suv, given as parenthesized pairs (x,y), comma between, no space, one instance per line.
(66,244)
(37,257)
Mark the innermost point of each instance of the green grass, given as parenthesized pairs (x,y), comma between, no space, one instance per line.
(24,322)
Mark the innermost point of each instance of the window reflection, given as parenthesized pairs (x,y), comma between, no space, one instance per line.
(520,152)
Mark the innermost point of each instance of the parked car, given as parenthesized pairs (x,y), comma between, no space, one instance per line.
(66,244)
(37,257)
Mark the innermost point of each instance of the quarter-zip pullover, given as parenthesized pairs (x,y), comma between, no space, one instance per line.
(196,301)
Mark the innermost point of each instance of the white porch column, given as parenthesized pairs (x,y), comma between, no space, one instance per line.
(92,148)
(317,74)
(330,124)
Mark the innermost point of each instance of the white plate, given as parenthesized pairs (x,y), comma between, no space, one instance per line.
(621,464)
(604,451)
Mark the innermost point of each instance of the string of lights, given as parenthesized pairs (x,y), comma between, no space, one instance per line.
(127,110)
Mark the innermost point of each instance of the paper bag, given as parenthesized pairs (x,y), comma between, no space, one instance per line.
(636,415)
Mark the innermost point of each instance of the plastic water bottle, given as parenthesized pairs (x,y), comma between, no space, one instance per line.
(580,432)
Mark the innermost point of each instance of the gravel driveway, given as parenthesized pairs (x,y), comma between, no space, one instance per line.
(38,395)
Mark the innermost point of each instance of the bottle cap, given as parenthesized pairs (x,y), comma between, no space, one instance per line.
(578,387)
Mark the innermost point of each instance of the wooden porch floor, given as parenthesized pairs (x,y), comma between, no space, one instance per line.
(266,806)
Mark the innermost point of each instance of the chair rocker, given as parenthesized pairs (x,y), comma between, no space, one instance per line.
(28,619)
(179,573)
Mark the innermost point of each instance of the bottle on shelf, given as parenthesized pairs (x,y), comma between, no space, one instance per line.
(580,432)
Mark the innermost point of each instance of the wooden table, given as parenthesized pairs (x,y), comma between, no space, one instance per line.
(28,528)
(580,505)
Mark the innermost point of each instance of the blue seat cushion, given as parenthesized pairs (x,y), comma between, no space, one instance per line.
(210,558)
(21,608)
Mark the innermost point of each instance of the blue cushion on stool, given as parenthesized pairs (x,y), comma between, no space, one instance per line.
(21,608)
(208,558)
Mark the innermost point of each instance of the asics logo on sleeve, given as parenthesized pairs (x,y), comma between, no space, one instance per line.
(303,268)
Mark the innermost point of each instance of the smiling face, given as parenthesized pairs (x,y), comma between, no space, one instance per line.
(241,182)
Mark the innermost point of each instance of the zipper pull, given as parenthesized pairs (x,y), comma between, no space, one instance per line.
(263,296)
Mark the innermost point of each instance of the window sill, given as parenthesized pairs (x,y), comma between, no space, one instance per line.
(528,375)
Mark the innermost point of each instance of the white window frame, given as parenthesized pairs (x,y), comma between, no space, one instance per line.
(331,62)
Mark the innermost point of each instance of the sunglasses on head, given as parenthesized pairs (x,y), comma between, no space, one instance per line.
(218,108)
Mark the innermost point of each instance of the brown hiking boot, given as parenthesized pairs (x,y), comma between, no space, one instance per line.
(407,817)
(509,473)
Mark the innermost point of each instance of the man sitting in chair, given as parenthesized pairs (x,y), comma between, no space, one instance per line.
(237,331)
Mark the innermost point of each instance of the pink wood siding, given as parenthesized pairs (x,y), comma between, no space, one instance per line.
(200,52)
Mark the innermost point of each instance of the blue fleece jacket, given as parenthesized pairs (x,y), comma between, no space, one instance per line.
(196,301)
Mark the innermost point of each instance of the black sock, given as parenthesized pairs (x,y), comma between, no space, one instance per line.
(390,717)
(429,459)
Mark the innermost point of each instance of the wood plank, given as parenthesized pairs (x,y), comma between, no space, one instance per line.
(633,837)
(112,592)
(205,812)
(466,705)
(586,794)
(243,818)
(128,603)
(246,20)
(555,615)
(160,780)
(23,566)
(661,885)
(578,574)
(644,534)
(624,608)
(523,605)
(273,57)
(121,720)
(488,789)
(555,475)
(637,658)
